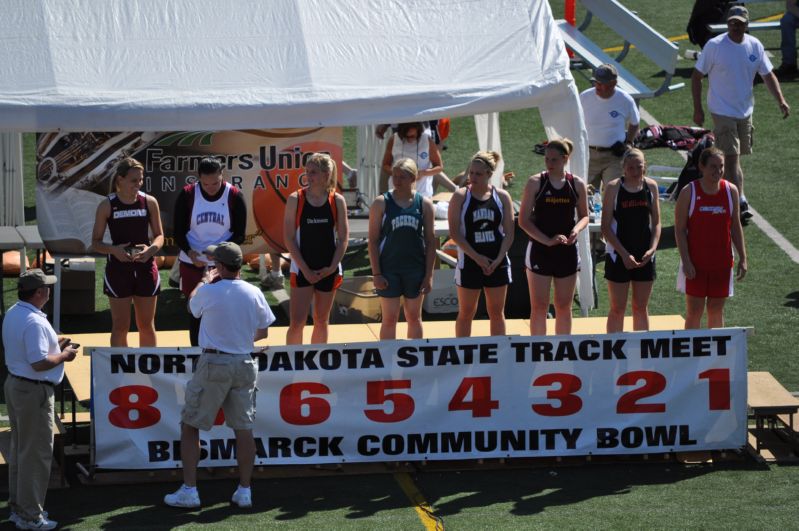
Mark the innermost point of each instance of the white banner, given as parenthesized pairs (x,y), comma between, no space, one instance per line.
(441,399)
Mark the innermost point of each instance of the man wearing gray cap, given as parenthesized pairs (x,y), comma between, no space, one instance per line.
(234,315)
(35,358)
(611,119)
(731,61)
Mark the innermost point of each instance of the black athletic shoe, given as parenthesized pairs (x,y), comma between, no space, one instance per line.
(745,214)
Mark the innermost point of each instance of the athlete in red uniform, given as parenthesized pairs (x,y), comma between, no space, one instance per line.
(130,273)
(316,231)
(553,212)
(707,224)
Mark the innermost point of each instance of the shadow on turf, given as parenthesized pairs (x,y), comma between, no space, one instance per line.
(792,300)
(533,491)
(279,500)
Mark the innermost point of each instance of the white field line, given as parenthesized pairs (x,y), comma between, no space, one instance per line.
(761,223)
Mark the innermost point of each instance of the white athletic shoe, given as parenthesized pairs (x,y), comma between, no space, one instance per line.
(42,523)
(14,517)
(242,498)
(183,497)
(273,282)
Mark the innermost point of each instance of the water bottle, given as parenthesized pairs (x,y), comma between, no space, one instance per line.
(597,205)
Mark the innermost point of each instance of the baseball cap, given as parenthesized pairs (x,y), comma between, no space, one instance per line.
(34,279)
(227,253)
(738,13)
(605,73)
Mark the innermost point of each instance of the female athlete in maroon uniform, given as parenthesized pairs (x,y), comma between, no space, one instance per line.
(707,223)
(551,200)
(130,273)
(316,231)
(631,227)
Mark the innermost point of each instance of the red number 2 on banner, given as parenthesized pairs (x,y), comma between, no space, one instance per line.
(654,383)
(130,398)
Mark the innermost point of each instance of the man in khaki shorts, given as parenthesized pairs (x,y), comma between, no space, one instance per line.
(234,315)
(731,61)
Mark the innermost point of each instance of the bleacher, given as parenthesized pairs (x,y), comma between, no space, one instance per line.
(635,32)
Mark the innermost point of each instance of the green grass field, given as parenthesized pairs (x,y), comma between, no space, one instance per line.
(736,495)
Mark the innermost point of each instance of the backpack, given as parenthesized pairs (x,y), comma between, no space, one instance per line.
(690,171)
(671,136)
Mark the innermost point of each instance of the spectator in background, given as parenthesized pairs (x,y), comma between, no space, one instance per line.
(788,24)
(130,272)
(234,315)
(731,61)
(707,224)
(402,250)
(611,119)
(481,224)
(631,228)
(35,359)
(207,212)
(413,141)
(553,212)
(315,230)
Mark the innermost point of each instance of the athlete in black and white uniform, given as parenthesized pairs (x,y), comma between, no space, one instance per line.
(131,273)
(553,212)
(631,228)
(207,212)
(481,223)
(316,231)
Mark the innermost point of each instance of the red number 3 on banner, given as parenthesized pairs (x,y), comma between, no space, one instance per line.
(134,407)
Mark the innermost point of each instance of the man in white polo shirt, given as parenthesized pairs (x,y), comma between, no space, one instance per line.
(731,61)
(35,366)
(611,119)
(234,315)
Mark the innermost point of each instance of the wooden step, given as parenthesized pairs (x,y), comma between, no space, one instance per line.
(766,396)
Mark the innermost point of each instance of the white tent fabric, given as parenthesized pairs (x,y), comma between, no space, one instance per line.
(198,65)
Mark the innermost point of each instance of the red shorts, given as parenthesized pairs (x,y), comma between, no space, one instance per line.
(128,279)
(190,276)
(715,283)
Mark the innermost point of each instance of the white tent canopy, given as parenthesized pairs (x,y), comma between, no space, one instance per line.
(198,65)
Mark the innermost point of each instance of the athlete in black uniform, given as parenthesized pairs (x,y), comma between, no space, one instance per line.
(316,231)
(631,228)
(553,212)
(481,223)
(131,273)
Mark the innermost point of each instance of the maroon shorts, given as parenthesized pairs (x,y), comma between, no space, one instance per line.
(129,279)
(190,276)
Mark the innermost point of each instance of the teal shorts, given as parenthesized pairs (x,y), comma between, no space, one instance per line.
(402,284)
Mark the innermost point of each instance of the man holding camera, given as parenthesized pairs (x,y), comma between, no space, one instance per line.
(35,358)
(234,315)
(611,119)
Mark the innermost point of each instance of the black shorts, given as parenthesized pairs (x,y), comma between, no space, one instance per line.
(559,261)
(616,272)
(327,284)
(128,279)
(471,276)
